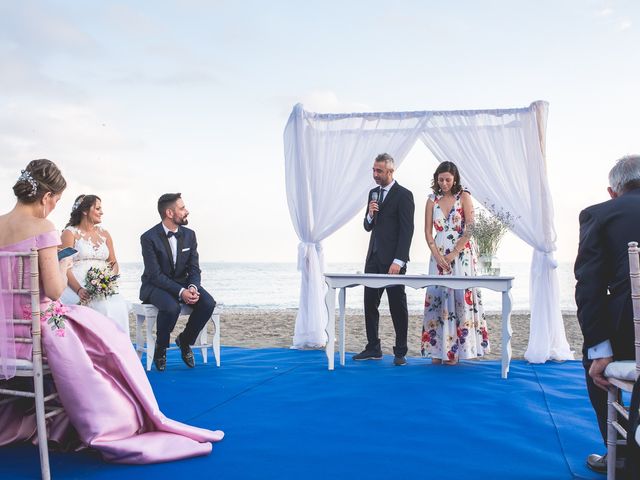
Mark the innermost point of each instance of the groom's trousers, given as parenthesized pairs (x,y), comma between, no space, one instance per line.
(169,310)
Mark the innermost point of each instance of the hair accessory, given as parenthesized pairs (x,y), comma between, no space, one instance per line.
(26,176)
(77,204)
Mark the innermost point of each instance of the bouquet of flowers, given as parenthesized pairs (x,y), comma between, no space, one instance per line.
(101,282)
(489,228)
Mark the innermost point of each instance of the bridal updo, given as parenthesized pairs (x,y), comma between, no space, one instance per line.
(82,204)
(37,179)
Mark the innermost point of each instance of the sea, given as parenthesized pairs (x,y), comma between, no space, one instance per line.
(276,286)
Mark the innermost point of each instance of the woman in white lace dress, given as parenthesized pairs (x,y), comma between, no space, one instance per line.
(95,249)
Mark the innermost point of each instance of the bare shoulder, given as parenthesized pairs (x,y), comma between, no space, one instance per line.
(43,225)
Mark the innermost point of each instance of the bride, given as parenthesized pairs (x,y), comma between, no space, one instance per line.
(95,249)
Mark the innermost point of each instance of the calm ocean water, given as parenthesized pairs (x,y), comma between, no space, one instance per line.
(277,285)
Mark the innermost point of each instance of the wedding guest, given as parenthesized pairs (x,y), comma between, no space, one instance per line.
(389,218)
(171,277)
(108,401)
(454,324)
(603,289)
(85,233)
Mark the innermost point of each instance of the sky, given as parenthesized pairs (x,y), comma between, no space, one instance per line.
(133,99)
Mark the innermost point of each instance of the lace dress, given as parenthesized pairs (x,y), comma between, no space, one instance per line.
(90,255)
(454,324)
(108,401)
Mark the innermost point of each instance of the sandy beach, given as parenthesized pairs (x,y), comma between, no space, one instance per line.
(274,328)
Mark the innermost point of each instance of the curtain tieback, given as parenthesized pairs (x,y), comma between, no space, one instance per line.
(304,248)
(548,257)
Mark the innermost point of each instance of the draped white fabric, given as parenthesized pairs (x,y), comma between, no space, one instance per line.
(328,160)
(500,155)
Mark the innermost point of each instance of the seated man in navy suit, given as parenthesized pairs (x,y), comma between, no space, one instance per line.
(171,277)
(603,289)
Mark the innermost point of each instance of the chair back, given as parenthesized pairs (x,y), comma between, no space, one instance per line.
(19,279)
(634,273)
(23,283)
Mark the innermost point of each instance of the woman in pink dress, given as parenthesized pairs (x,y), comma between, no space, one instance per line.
(109,404)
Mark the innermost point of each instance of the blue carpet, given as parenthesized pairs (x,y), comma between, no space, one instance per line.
(286,416)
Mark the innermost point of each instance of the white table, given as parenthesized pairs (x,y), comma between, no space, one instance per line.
(343,281)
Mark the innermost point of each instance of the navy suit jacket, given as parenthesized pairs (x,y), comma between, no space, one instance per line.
(603,289)
(393,225)
(159,271)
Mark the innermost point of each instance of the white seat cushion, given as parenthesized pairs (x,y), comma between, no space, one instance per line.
(623,370)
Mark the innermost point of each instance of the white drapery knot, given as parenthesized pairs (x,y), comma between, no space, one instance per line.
(548,257)
(304,249)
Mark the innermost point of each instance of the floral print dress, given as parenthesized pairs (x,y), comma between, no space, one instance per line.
(454,322)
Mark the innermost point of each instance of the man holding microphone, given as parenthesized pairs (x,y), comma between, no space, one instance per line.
(389,218)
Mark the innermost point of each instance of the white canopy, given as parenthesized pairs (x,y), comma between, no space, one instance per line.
(328,159)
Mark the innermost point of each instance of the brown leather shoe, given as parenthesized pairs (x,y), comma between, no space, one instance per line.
(186,353)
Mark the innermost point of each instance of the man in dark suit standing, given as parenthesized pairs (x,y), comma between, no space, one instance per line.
(603,290)
(389,218)
(171,277)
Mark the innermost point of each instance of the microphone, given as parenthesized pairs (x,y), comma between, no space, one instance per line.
(374,198)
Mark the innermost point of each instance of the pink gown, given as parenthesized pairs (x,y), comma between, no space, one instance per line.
(109,404)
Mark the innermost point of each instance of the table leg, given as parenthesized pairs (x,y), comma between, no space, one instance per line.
(342,296)
(330,303)
(506,332)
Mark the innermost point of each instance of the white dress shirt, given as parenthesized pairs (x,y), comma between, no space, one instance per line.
(173,243)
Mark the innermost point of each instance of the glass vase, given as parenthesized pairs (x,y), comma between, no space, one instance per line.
(488,265)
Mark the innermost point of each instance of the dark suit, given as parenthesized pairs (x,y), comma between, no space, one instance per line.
(391,234)
(603,290)
(162,282)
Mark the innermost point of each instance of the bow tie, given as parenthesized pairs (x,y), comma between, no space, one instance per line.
(174,234)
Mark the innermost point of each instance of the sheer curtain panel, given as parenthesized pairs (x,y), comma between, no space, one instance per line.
(500,154)
(328,160)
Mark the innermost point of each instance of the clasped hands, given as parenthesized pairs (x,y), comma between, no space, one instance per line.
(445,261)
(190,295)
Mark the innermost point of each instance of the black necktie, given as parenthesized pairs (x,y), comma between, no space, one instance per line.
(382,192)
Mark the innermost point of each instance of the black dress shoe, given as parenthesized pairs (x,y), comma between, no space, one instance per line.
(399,360)
(186,353)
(368,355)
(598,463)
(160,359)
